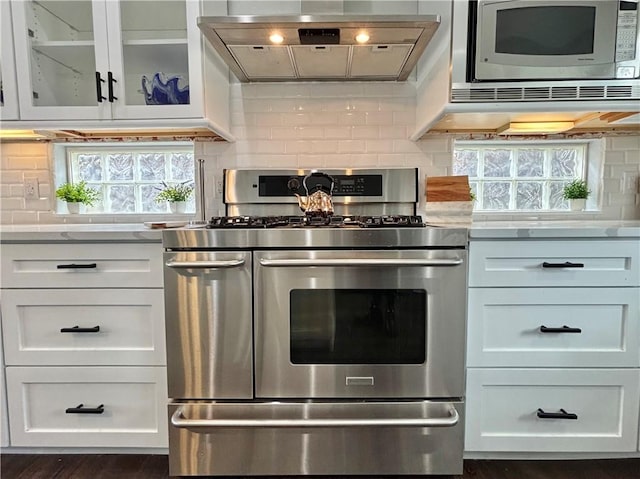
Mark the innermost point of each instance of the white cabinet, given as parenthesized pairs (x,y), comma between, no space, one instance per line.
(87,407)
(552,410)
(8,86)
(84,344)
(553,345)
(4,418)
(103,59)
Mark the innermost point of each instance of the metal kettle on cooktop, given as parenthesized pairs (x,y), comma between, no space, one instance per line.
(319,189)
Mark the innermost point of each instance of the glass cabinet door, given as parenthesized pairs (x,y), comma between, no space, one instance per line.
(155,56)
(8,90)
(61,53)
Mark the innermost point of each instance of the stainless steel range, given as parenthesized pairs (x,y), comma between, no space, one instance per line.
(324,343)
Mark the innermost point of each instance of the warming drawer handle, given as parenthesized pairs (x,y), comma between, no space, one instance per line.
(563,329)
(77,266)
(80,409)
(566,264)
(178,420)
(232,263)
(359,262)
(556,415)
(78,329)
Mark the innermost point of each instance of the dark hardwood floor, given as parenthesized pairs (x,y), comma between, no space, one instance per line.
(126,466)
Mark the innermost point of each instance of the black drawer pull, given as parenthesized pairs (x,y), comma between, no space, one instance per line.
(80,409)
(77,266)
(556,415)
(566,264)
(110,82)
(78,329)
(563,329)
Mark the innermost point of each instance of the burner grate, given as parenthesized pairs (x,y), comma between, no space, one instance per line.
(388,221)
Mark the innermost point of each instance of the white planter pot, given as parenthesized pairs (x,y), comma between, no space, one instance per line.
(577,204)
(73,208)
(178,207)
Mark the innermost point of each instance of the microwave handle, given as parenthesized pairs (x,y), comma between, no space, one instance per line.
(233,263)
(359,262)
(178,420)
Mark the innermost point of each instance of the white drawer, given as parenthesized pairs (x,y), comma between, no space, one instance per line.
(134,412)
(522,263)
(503,407)
(100,265)
(115,327)
(515,327)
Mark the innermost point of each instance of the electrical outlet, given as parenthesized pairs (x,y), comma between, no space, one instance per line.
(219,189)
(31,189)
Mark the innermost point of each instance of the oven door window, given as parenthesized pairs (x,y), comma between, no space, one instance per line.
(354,326)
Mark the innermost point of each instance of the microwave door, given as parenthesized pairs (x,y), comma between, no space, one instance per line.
(525,40)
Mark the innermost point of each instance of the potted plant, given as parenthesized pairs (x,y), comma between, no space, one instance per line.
(176,195)
(577,193)
(76,194)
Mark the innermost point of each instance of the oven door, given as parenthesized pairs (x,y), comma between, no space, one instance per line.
(360,324)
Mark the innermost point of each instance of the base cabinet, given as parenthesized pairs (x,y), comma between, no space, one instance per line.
(84,344)
(552,410)
(553,346)
(87,406)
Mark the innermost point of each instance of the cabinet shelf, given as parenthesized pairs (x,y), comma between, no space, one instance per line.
(159,42)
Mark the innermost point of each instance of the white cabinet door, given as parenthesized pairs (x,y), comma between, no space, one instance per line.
(61,48)
(85,328)
(155,55)
(96,59)
(99,265)
(87,407)
(553,327)
(4,418)
(609,262)
(552,410)
(8,85)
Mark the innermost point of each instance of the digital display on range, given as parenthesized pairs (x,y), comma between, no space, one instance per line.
(344,185)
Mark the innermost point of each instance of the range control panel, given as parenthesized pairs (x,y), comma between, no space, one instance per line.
(343,185)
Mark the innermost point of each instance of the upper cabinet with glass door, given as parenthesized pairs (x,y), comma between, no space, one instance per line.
(8,89)
(108,59)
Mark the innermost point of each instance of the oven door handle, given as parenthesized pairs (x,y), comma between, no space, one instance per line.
(178,420)
(359,262)
(232,263)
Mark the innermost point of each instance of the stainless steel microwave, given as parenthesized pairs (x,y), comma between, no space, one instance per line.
(553,39)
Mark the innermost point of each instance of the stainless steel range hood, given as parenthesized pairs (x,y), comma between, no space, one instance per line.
(320,47)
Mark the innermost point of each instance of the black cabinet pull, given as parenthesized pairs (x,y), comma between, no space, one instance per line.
(556,415)
(80,409)
(77,266)
(566,264)
(563,329)
(111,81)
(99,82)
(78,329)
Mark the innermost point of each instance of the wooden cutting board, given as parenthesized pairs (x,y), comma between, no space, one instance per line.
(447,188)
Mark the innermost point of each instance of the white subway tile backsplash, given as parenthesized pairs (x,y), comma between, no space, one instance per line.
(352,118)
(352,146)
(312,125)
(378,146)
(339,132)
(379,117)
(323,118)
(365,132)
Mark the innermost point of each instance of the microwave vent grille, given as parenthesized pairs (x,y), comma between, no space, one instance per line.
(562,92)
(544,93)
(592,92)
(622,92)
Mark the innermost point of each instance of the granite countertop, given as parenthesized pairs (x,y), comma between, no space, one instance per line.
(130,232)
(554,229)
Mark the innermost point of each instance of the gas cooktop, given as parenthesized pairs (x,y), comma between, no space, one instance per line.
(384,221)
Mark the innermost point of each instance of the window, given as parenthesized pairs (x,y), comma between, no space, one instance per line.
(519,176)
(128,177)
